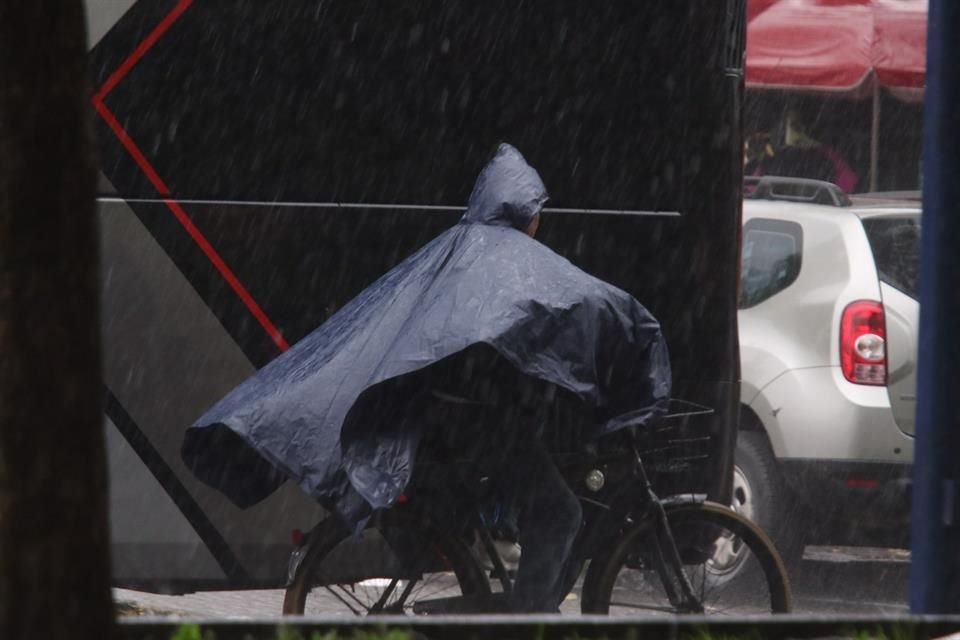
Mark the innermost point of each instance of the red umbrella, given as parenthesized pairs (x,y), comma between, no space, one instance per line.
(900,55)
(756,7)
(839,46)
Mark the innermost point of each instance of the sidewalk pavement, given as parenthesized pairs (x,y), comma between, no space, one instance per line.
(215,604)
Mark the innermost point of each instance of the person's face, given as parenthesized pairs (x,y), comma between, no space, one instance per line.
(531,229)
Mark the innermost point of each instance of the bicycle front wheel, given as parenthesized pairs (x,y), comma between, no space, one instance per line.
(731,564)
(396,564)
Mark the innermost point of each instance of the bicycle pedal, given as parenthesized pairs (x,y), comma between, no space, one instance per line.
(511,573)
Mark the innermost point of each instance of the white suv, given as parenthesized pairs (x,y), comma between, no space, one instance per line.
(828,342)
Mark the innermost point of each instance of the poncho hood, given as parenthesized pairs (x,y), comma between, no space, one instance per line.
(508,192)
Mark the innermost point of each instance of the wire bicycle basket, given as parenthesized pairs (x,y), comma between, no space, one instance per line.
(665,448)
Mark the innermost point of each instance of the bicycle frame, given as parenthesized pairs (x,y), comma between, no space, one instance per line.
(630,504)
(609,513)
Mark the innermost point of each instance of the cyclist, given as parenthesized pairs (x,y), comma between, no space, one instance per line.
(483,315)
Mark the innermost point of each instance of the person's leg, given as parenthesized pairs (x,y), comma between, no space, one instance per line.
(550,517)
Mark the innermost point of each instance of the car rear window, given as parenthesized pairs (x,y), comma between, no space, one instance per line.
(896,250)
(771,259)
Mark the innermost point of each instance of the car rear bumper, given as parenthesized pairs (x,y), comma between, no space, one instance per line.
(863,502)
(814,414)
(842,454)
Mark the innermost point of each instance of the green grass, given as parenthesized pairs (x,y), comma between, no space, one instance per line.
(194,632)
(879,632)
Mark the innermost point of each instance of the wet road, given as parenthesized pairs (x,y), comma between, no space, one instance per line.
(829,581)
(852,581)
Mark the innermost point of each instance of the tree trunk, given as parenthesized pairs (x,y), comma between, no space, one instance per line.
(54,553)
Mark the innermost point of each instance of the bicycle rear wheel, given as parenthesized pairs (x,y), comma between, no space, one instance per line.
(730,563)
(395,564)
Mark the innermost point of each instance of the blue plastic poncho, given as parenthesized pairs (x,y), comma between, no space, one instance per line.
(484,281)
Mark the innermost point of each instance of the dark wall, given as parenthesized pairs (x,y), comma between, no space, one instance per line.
(619,104)
(375,101)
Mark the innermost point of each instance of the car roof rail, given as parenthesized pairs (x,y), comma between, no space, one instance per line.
(894,196)
(794,190)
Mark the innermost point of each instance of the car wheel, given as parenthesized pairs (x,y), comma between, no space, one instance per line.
(760,494)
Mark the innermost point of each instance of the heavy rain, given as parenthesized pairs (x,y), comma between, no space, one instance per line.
(444,309)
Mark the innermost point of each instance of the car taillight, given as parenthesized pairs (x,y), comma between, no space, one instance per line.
(863,338)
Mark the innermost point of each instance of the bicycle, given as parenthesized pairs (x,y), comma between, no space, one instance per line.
(682,554)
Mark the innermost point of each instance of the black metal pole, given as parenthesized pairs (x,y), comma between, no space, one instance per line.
(875,136)
(935,571)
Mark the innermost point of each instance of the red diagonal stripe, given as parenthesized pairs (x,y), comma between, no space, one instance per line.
(161,186)
(227,274)
(142,49)
(131,147)
(188,225)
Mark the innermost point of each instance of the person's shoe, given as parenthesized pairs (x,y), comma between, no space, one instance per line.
(509,553)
